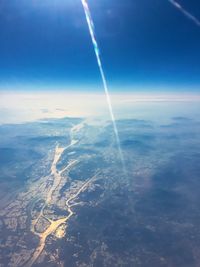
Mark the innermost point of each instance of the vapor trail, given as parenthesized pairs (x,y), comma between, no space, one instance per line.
(185,12)
(97,53)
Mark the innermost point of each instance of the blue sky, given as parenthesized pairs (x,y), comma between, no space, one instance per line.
(144,44)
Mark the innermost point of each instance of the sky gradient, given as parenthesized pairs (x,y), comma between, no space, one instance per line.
(143,43)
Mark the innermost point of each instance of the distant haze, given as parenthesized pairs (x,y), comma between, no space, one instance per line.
(29,106)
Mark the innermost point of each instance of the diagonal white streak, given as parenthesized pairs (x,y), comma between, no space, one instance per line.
(185,12)
(97,53)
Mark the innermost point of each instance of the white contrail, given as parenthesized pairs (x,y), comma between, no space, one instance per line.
(97,53)
(185,12)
